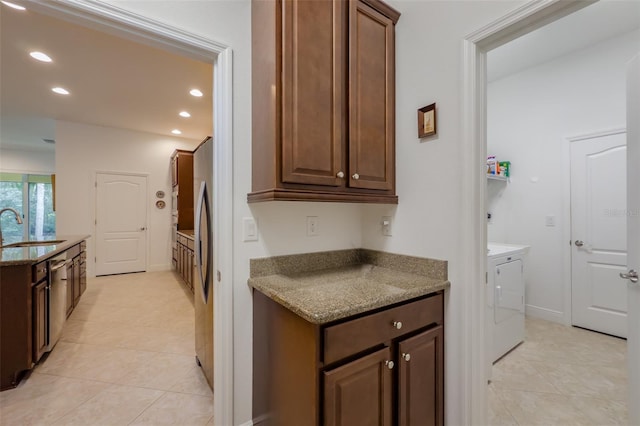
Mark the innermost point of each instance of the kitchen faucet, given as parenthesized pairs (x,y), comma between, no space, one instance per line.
(18,221)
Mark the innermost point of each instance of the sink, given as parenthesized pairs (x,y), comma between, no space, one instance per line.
(33,243)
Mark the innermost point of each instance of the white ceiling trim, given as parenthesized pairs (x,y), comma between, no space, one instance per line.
(116,21)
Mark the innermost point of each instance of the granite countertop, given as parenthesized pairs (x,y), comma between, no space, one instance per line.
(329,286)
(188,233)
(38,253)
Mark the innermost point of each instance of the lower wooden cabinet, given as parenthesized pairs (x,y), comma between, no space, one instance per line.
(359,393)
(421,379)
(76,276)
(381,368)
(185,260)
(40,318)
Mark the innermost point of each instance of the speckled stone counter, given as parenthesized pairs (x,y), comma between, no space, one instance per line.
(329,286)
(187,233)
(35,254)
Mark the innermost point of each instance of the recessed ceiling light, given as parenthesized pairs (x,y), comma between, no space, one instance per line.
(176,132)
(184,114)
(42,57)
(196,93)
(13,5)
(60,91)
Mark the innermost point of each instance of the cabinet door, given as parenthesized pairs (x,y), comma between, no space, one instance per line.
(313,91)
(359,393)
(70,297)
(77,292)
(40,316)
(83,277)
(371,98)
(421,379)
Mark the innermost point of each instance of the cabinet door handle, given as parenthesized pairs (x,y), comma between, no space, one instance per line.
(340,174)
(406,357)
(356,176)
(397,324)
(389,364)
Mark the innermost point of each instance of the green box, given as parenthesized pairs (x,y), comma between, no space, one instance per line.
(505,168)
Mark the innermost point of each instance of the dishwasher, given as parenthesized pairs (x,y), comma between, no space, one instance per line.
(57,300)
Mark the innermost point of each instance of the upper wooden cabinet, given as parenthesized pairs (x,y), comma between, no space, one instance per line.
(323,100)
(182,181)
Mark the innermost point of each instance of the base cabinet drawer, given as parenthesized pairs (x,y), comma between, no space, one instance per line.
(360,334)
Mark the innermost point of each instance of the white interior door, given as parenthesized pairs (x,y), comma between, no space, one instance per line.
(633,236)
(121,217)
(598,229)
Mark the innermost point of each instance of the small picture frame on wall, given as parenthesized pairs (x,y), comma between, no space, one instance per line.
(427,121)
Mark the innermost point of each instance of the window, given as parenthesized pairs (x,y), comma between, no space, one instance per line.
(32,196)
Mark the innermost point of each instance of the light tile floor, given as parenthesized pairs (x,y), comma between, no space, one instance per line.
(126,357)
(560,376)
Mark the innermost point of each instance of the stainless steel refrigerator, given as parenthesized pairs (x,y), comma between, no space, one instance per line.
(203,252)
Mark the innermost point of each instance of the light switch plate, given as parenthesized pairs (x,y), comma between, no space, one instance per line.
(386,226)
(249,229)
(550,220)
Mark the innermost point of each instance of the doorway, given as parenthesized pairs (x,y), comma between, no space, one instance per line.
(521,21)
(132,26)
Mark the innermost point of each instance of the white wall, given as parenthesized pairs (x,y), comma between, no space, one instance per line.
(22,161)
(82,150)
(428,69)
(530,115)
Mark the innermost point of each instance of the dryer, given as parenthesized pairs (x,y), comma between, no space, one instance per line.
(505,299)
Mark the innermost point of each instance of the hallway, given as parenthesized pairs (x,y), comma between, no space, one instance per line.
(126,357)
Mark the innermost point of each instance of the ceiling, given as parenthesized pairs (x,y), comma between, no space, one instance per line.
(588,26)
(112,82)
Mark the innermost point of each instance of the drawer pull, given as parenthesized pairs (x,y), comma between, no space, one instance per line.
(389,364)
(406,357)
(397,324)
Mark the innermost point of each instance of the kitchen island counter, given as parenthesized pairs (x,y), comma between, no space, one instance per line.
(37,253)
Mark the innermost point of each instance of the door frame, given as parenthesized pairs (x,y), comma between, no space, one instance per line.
(95,213)
(131,26)
(568,253)
(473,232)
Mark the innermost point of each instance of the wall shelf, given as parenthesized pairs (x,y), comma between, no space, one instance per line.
(497,177)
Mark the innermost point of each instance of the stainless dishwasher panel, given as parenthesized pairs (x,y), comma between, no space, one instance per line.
(57,299)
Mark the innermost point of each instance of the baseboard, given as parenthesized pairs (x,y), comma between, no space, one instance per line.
(249,423)
(544,313)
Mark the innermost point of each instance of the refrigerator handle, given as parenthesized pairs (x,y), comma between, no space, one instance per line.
(198,240)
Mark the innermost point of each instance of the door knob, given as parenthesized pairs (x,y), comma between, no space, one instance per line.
(356,176)
(406,357)
(632,276)
(340,175)
(579,243)
(389,364)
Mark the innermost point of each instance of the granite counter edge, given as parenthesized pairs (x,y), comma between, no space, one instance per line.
(70,241)
(331,316)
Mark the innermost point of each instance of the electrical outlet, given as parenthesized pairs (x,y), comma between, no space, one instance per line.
(249,229)
(386,225)
(313,226)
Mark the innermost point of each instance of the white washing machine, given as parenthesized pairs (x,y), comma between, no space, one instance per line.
(505,299)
